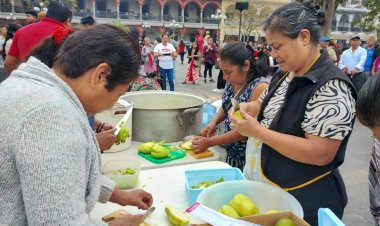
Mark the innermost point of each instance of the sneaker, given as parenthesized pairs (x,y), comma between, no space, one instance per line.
(205,81)
(183,82)
(212,80)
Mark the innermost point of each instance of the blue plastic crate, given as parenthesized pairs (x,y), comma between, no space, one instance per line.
(327,218)
(193,177)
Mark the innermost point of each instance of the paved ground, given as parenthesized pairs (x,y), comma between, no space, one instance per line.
(354,170)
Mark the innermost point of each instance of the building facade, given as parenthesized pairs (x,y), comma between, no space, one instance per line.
(183,19)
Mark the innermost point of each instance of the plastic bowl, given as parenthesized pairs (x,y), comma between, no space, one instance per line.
(193,177)
(265,196)
(126,181)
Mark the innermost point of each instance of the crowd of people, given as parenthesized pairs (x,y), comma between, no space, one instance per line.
(298,101)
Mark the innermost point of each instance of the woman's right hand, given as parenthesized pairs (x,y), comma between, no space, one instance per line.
(209,130)
(130,220)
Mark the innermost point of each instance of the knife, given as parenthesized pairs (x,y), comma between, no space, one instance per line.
(123,120)
(149,212)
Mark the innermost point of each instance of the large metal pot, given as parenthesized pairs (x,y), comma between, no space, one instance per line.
(165,115)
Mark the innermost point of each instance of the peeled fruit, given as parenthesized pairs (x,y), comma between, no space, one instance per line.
(187,145)
(159,152)
(229,211)
(123,134)
(238,115)
(243,205)
(273,211)
(146,148)
(285,222)
(177,217)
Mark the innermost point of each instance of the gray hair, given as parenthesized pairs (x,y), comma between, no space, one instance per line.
(147,39)
(291,18)
(372,36)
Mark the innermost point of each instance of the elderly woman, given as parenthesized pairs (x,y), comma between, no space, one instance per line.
(147,56)
(50,161)
(305,116)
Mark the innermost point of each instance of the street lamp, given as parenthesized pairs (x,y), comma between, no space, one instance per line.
(173,25)
(243,5)
(41,7)
(219,17)
(11,17)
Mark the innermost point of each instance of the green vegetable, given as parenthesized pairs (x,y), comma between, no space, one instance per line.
(206,183)
(125,172)
(177,217)
(122,135)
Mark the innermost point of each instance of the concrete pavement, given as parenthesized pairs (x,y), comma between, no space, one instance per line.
(354,169)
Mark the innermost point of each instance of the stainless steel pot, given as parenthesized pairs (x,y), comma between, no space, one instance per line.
(165,115)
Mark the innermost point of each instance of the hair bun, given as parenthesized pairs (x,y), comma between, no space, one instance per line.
(321,18)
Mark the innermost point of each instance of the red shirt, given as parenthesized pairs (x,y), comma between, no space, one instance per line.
(26,38)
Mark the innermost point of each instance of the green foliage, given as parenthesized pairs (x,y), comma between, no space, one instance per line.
(372,16)
(120,25)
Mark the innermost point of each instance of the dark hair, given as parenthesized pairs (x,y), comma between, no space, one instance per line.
(238,52)
(368,102)
(103,43)
(59,10)
(166,35)
(158,39)
(87,20)
(31,12)
(11,30)
(291,18)
(181,43)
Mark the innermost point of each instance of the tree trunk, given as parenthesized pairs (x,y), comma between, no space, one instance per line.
(329,13)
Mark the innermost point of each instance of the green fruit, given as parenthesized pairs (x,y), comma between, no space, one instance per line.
(229,211)
(187,145)
(146,148)
(272,211)
(285,222)
(123,133)
(159,152)
(238,115)
(177,217)
(243,205)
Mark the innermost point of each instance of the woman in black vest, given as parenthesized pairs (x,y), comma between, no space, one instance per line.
(305,117)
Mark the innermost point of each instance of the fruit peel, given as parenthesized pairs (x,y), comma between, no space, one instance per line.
(177,217)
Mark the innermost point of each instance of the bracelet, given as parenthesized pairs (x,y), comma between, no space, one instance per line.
(100,127)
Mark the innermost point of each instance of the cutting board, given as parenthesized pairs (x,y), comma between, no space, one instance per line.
(119,214)
(204,154)
(173,155)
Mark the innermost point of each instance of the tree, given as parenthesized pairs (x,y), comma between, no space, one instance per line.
(252,20)
(372,18)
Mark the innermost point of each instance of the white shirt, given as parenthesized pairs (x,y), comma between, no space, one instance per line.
(166,61)
(353,60)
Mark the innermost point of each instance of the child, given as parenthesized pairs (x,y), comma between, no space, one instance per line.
(368,112)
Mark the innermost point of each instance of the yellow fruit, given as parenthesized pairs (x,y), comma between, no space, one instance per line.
(146,148)
(159,152)
(229,211)
(238,115)
(187,145)
(243,205)
(285,222)
(177,217)
(273,211)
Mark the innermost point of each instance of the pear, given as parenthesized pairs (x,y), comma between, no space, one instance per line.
(229,211)
(177,217)
(146,148)
(159,152)
(244,205)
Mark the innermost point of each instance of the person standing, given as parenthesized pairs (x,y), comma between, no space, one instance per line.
(147,56)
(30,16)
(181,50)
(305,117)
(194,54)
(165,52)
(373,51)
(209,52)
(352,62)
(28,37)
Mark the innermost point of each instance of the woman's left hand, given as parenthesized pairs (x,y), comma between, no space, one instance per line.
(140,198)
(248,126)
(106,127)
(200,144)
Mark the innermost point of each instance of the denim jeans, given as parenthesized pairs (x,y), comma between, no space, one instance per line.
(173,71)
(167,73)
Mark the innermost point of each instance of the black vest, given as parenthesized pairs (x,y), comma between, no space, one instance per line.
(289,173)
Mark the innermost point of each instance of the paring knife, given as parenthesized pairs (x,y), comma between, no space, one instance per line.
(123,120)
(149,212)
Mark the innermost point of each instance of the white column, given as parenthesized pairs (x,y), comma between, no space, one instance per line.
(183,15)
(350,19)
(118,11)
(337,18)
(94,9)
(13,6)
(162,13)
(140,12)
(201,16)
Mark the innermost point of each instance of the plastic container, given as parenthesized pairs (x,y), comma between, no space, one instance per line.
(193,177)
(113,116)
(327,218)
(209,112)
(126,181)
(265,196)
